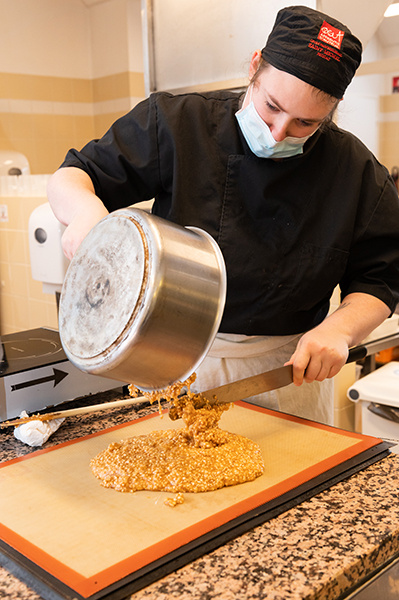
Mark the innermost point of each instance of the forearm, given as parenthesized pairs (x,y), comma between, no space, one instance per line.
(70,191)
(356,317)
(72,197)
(322,351)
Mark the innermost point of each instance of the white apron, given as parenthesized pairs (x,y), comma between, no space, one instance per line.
(233,357)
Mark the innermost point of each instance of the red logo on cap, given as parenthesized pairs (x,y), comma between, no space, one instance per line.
(331,35)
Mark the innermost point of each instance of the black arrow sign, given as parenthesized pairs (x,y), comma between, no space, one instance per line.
(57,377)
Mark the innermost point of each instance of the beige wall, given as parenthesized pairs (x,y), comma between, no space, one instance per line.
(30,122)
(389,130)
(23,305)
(344,409)
(43,116)
(67,70)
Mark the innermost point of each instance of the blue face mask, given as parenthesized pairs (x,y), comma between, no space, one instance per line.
(260,139)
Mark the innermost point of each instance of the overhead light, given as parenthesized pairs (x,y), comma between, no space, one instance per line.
(392,10)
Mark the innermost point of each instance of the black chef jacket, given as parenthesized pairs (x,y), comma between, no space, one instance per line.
(289,230)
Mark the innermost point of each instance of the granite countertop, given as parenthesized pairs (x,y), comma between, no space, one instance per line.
(317,550)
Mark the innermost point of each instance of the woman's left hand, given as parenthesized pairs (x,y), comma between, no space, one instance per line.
(319,355)
(323,351)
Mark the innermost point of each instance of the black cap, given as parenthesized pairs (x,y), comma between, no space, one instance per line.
(315,48)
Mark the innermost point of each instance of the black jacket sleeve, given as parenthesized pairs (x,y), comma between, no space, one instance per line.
(123,165)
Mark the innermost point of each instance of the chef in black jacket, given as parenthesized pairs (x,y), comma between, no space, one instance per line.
(297,206)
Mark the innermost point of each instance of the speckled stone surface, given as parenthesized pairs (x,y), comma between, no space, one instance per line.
(317,550)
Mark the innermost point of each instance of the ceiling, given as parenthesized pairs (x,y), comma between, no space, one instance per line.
(387,30)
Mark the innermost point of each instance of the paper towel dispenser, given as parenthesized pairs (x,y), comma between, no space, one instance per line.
(48,262)
(13,163)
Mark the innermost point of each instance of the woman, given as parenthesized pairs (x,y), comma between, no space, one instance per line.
(296,205)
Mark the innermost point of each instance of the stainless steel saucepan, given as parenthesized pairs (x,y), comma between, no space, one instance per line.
(142,300)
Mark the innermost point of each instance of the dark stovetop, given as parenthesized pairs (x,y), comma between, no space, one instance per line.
(29,349)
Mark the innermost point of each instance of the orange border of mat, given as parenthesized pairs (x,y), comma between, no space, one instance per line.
(88,586)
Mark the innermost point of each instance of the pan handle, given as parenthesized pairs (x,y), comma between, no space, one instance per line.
(356,353)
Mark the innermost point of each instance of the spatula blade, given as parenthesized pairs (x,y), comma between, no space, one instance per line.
(250,386)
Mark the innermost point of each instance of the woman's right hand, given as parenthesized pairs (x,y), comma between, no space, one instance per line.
(79,227)
(72,197)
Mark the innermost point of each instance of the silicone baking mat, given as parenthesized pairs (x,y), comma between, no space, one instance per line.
(86,541)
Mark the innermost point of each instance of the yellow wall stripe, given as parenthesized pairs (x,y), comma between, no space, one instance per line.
(14,86)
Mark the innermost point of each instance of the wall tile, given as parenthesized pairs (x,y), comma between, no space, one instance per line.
(47,155)
(37,315)
(42,88)
(14,213)
(17,246)
(82,90)
(13,85)
(4,253)
(7,314)
(113,86)
(61,89)
(83,129)
(21,125)
(44,126)
(64,125)
(19,281)
(5,129)
(5,278)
